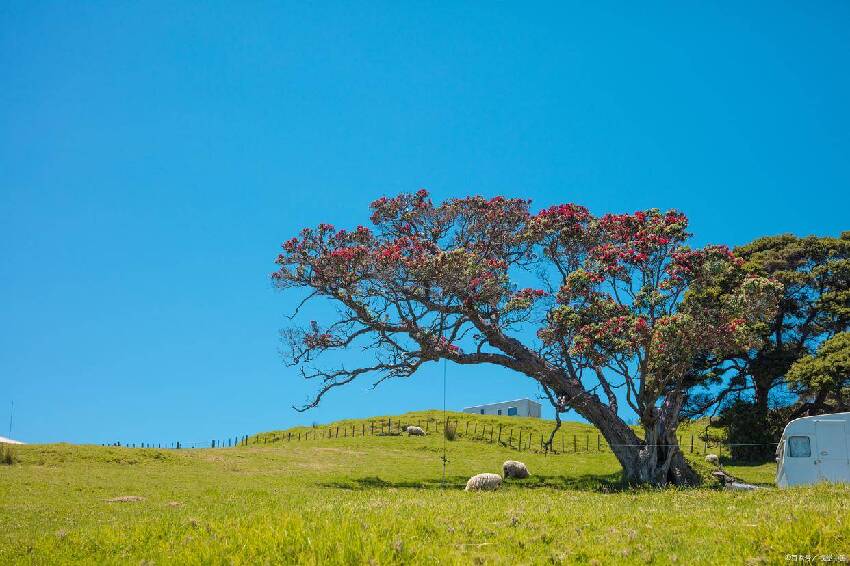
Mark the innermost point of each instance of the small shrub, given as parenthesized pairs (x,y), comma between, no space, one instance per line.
(753,437)
(450,432)
(7,455)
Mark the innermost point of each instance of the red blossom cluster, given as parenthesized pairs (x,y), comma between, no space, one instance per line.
(529,293)
(446,346)
(643,240)
(348,254)
(480,279)
(290,245)
(386,209)
(564,220)
(409,250)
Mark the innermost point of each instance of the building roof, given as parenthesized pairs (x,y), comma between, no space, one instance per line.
(4,440)
(503,402)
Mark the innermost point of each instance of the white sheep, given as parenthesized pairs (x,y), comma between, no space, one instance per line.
(712,459)
(484,482)
(415,431)
(514,469)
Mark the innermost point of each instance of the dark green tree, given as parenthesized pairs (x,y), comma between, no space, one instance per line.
(822,380)
(815,306)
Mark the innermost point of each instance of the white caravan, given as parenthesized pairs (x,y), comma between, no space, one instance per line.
(814,449)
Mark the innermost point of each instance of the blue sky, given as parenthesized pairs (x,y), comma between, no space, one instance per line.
(153,156)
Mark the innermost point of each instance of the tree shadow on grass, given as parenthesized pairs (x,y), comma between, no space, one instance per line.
(375,482)
(599,483)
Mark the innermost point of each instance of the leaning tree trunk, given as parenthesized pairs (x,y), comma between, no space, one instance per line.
(654,460)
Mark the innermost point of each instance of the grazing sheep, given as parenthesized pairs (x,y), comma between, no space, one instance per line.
(415,431)
(712,459)
(514,469)
(483,482)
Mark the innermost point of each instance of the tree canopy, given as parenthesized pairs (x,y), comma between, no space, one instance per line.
(815,305)
(608,303)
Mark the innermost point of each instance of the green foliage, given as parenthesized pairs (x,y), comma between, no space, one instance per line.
(450,431)
(826,374)
(815,305)
(753,436)
(7,454)
(815,272)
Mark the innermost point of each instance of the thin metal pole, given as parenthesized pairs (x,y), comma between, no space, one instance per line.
(445,420)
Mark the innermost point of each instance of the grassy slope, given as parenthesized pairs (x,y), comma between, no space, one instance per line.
(352,500)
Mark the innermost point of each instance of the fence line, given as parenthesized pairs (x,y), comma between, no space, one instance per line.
(523,441)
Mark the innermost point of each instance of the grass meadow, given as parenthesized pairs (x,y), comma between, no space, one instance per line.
(380,499)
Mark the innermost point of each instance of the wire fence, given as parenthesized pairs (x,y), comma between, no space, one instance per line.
(521,439)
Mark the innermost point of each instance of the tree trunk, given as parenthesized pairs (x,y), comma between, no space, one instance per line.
(656,460)
(761,393)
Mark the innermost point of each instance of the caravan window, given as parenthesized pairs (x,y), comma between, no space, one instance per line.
(799,447)
(511,411)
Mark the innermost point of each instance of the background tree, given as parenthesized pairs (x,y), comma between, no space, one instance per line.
(620,303)
(822,380)
(815,305)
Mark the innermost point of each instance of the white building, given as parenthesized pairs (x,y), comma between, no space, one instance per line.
(814,449)
(518,408)
(4,440)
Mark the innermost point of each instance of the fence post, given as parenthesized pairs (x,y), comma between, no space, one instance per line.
(575,444)
(500,434)
(598,444)
(692,443)
(212,444)
(467,429)
(519,442)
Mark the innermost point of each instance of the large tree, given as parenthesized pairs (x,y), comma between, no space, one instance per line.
(618,303)
(815,305)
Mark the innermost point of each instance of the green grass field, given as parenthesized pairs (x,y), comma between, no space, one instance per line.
(380,499)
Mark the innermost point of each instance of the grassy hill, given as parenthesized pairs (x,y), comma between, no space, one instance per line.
(380,498)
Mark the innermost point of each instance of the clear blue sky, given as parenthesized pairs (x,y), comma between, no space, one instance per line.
(153,157)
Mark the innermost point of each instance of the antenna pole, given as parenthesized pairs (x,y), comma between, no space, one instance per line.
(445,421)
